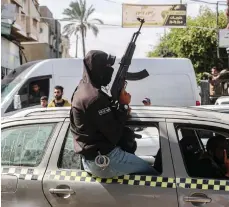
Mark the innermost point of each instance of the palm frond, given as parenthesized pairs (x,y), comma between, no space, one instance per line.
(97,20)
(71,28)
(79,14)
(77,30)
(73,11)
(70,19)
(76,9)
(89,12)
(94,28)
(83,7)
(69,13)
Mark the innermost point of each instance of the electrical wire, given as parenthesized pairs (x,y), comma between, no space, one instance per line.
(206,2)
(111,1)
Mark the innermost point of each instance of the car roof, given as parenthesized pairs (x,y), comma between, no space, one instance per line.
(222,99)
(137,112)
(218,108)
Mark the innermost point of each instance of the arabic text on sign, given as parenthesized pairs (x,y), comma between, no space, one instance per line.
(144,13)
(176,22)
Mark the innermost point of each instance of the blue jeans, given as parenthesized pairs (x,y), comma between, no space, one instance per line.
(121,163)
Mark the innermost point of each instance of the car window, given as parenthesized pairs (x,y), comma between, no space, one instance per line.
(25,145)
(199,162)
(226,102)
(148,144)
(147,148)
(68,158)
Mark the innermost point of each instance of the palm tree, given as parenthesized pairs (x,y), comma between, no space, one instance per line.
(79,14)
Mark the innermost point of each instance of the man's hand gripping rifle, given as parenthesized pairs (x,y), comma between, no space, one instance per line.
(118,88)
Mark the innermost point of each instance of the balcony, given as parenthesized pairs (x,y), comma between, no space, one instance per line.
(19,28)
(34,11)
(18,2)
(20,23)
(35,32)
(33,28)
(5,2)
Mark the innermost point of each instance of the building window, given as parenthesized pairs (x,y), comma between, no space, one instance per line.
(41,30)
(34,22)
(23,4)
(23,19)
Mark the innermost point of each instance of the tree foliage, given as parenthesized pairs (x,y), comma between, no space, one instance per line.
(79,14)
(195,42)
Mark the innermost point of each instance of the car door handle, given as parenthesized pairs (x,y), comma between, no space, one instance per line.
(61,191)
(195,199)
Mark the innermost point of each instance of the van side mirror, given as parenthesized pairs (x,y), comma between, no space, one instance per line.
(17,102)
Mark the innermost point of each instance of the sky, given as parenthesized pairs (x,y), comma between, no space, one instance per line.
(114,39)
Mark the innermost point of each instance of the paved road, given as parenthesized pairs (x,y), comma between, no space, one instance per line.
(149,143)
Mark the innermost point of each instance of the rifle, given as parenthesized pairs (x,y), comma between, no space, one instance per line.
(123,74)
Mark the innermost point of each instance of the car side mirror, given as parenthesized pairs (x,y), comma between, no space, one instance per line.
(17,102)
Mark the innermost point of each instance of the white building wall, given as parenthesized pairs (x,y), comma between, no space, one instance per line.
(44,33)
(10,57)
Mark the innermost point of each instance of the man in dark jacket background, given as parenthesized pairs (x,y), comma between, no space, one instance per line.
(97,126)
(215,164)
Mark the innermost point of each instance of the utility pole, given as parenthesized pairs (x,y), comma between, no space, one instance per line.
(77,38)
(217,28)
(227,13)
(228,55)
(57,38)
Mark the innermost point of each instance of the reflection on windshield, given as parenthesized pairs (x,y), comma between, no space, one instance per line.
(6,89)
(11,80)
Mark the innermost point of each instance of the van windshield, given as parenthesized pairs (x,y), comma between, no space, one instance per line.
(10,81)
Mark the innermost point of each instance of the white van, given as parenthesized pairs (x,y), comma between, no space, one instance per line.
(172,81)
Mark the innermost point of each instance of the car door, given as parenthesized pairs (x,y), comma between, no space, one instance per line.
(25,149)
(194,190)
(66,184)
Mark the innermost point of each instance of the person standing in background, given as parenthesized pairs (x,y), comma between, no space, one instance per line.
(146,102)
(59,101)
(44,101)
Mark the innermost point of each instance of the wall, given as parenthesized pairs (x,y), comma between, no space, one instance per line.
(45,12)
(33,21)
(37,51)
(65,45)
(44,33)
(10,57)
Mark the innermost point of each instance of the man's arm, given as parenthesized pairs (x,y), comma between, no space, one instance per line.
(107,123)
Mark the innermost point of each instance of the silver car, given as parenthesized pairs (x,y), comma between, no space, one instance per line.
(40,168)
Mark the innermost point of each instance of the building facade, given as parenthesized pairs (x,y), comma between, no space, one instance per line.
(65,46)
(51,43)
(20,23)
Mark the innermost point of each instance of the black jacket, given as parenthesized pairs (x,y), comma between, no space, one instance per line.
(95,124)
(210,168)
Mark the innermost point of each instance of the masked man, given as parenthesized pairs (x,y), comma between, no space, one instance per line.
(97,126)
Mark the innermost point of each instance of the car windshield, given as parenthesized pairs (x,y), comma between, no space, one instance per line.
(6,89)
(11,80)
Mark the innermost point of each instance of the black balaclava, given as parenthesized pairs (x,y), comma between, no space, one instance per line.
(96,67)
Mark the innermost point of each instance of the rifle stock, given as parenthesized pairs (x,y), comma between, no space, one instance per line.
(123,74)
